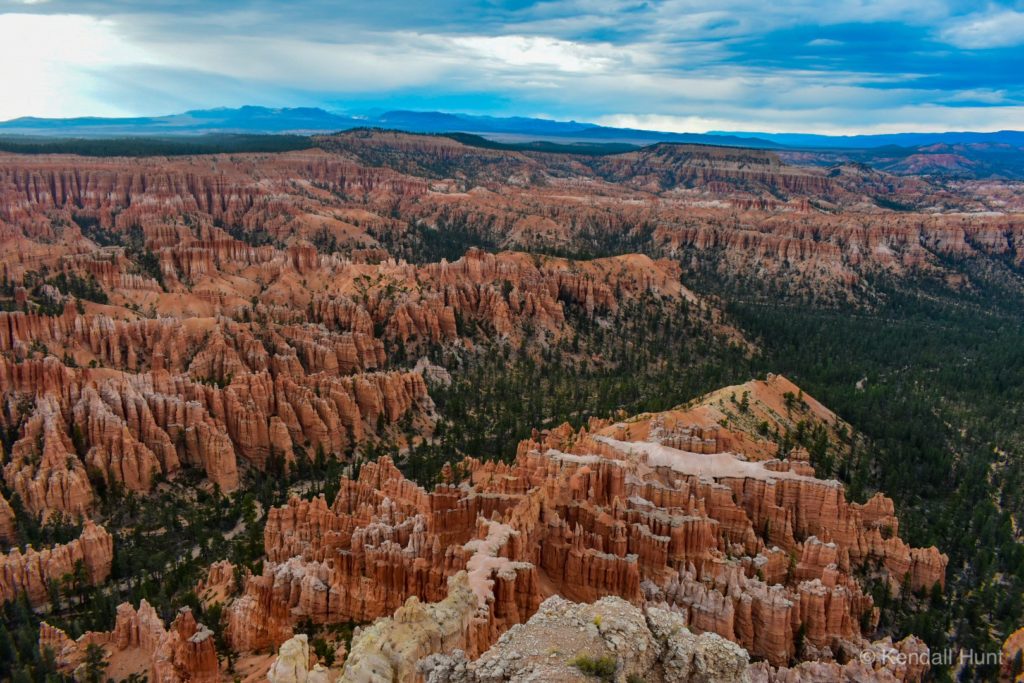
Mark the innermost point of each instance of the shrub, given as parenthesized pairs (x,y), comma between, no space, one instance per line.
(599,667)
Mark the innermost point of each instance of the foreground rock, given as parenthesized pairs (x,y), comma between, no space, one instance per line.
(389,649)
(292,664)
(672,510)
(563,639)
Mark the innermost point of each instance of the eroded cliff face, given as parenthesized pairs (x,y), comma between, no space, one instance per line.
(138,421)
(1012,657)
(31,571)
(231,312)
(372,193)
(100,395)
(670,510)
(141,644)
(650,643)
(83,426)
(292,664)
(8,530)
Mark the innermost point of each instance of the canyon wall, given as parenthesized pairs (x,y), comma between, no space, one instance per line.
(229,313)
(743,545)
(140,644)
(31,571)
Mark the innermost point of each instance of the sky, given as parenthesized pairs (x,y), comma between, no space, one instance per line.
(839,67)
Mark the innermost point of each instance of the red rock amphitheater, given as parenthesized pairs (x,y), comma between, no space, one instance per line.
(233,311)
(669,510)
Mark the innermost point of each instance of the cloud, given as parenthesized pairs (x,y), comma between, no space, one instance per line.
(985,31)
(979,96)
(51,59)
(788,65)
(910,119)
(539,52)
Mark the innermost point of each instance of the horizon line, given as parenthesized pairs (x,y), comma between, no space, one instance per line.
(536,117)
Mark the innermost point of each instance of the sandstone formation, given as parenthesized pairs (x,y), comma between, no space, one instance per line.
(31,571)
(389,649)
(651,644)
(292,664)
(225,313)
(255,305)
(130,426)
(671,510)
(140,644)
(43,469)
(1012,657)
(8,531)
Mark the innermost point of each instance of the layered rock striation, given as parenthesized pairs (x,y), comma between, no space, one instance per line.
(31,571)
(204,221)
(295,354)
(141,644)
(749,547)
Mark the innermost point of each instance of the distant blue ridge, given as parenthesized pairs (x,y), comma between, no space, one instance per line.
(256,119)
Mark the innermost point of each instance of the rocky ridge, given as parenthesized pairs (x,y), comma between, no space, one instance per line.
(826,226)
(561,638)
(234,312)
(657,510)
(668,523)
(301,370)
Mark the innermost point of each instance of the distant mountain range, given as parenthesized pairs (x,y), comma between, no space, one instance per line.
(312,120)
(1014,138)
(305,120)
